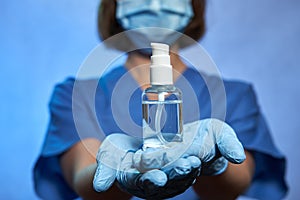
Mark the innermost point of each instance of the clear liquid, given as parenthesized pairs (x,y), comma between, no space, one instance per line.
(162,123)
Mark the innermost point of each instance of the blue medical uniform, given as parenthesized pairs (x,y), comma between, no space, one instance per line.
(94,108)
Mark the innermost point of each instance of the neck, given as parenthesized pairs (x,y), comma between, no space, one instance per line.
(139,66)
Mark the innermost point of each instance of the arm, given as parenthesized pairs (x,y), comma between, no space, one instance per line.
(79,165)
(228,185)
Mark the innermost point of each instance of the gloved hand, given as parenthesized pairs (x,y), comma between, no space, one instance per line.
(214,143)
(118,159)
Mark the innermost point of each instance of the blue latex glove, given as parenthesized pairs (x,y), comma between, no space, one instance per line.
(118,157)
(214,143)
(211,140)
(166,172)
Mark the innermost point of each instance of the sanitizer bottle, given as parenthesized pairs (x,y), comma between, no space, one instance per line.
(162,103)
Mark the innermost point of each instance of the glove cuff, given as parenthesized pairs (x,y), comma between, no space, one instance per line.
(214,167)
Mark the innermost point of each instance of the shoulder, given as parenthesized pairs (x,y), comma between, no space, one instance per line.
(215,83)
(62,91)
(113,73)
(71,88)
(66,84)
(237,86)
(241,100)
(76,88)
(240,91)
(238,96)
(192,73)
(69,83)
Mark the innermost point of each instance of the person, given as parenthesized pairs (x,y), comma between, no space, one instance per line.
(227,155)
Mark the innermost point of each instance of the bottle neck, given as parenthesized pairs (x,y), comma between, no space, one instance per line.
(162,88)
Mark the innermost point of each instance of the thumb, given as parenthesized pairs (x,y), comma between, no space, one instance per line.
(227,142)
(109,157)
(104,177)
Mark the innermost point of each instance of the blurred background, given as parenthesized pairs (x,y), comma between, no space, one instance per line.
(43,42)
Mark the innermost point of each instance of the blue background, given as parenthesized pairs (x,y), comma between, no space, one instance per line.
(42,42)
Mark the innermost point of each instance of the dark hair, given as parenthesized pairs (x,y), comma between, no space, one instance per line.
(108,25)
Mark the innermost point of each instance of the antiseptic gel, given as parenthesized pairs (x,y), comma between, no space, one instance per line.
(162,102)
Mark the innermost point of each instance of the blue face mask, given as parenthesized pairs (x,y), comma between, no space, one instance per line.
(154,20)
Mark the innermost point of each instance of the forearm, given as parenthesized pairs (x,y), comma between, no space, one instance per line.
(228,185)
(83,185)
(79,165)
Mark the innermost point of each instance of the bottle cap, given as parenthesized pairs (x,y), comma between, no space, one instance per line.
(160,68)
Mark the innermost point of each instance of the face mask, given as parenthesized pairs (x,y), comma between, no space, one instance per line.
(154,20)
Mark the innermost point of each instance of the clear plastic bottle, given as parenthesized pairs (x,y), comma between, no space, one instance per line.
(162,102)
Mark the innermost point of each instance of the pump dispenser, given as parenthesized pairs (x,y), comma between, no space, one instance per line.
(160,68)
(162,102)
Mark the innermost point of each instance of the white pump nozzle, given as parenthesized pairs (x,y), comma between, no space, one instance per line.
(160,69)
(159,49)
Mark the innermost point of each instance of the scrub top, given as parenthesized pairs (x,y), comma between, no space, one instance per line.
(112,104)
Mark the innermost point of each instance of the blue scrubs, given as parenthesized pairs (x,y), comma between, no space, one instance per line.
(95,108)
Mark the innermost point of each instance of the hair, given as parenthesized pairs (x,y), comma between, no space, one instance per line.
(108,25)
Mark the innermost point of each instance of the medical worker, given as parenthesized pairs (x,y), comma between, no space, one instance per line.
(92,149)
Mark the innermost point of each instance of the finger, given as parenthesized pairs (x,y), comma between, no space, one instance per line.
(128,179)
(194,161)
(103,178)
(179,168)
(153,179)
(127,175)
(149,159)
(228,143)
(152,183)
